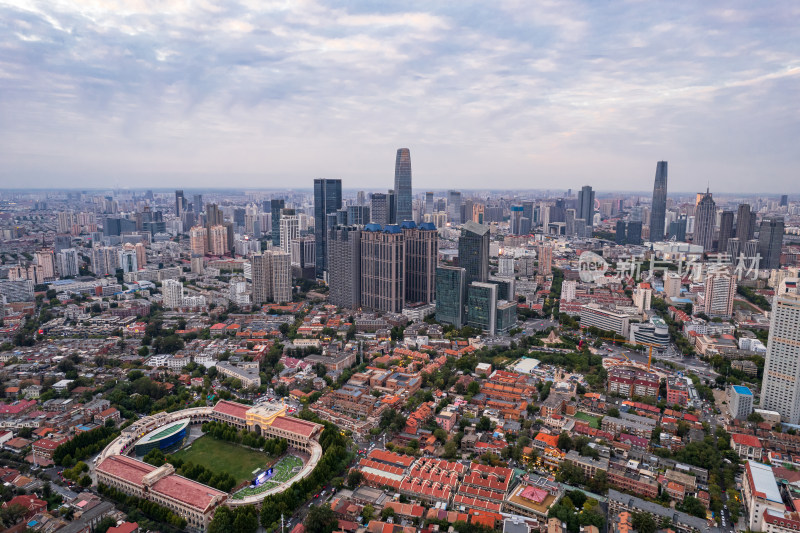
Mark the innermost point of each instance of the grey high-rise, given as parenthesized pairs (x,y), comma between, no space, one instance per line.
(180,203)
(344,266)
(454,207)
(744,223)
(327,200)
(473,251)
(658,213)
(451,289)
(275,206)
(770,242)
(704,218)
(725,230)
(379,209)
(421,253)
(402,185)
(586,208)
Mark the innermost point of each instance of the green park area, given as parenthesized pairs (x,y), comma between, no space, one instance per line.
(594,421)
(222,456)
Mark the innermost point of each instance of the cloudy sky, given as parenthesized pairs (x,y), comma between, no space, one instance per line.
(503,93)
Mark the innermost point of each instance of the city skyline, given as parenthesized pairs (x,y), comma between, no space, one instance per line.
(524,96)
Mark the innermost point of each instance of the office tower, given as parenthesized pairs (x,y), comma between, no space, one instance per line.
(473,251)
(289,229)
(361,197)
(672,284)
(172,293)
(261,272)
(281,277)
(327,200)
(482,306)
(619,236)
(341,218)
(744,223)
(357,215)
(750,251)
(117,226)
(217,240)
(516,219)
(558,212)
(720,289)
(382,268)
(46,260)
(344,266)
(633,232)
(725,230)
(402,185)
(544,252)
(429,203)
(780,388)
(198,240)
(478,213)
(127,259)
(451,291)
(238,216)
(65,219)
(422,249)
(197,205)
(454,207)
(770,242)
(276,205)
(303,257)
(68,263)
(379,209)
(659,206)
(586,208)
(528,210)
(569,222)
(733,248)
(392,203)
(705,216)
(677,229)
(784,200)
(180,203)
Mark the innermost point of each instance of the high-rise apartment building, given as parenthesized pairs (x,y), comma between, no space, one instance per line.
(327,200)
(198,240)
(68,263)
(725,230)
(705,218)
(421,253)
(402,185)
(127,259)
(272,277)
(261,272)
(172,293)
(141,254)
(344,266)
(281,277)
(382,268)
(659,207)
(586,209)
(217,240)
(745,223)
(780,388)
(65,219)
(478,213)
(544,253)
(770,242)
(473,251)
(672,285)
(276,205)
(104,260)
(379,209)
(290,229)
(720,290)
(46,260)
(451,290)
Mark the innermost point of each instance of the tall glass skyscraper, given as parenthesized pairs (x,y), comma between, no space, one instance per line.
(705,218)
(473,251)
(402,185)
(586,208)
(275,206)
(327,200)
(659,211)
(770,242)
(450,294)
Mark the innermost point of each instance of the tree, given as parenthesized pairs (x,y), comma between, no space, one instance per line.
(564,441)
(613,411)
(644,523)
(693,506)
(105,524)
(367,513)
(484,424)
(320,519)
(387,513)
(473,388)
(354,478)
(450,450)
(755,417)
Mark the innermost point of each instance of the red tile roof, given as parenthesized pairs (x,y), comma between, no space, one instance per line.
(295,425)
(392,458)
(187,491)
(130,470)
(125,527)
(746,440)
(237,410)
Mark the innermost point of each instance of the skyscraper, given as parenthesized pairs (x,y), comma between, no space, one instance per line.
(197,205)
(272,277)
(357,215)
(619,236)
(633,232)
(421,252)
(276,205)
(327,199)
(784,200)
(780,388)
(451,290)
(428,203)
(344,266)
(725,230)
(516,220)
(473,251)
(382,268)
(677,229)
(482,306)
(290,229)
(379,209)
(180,203)
(744,224)
(659,211)
(454,207)
(770,242)
(402,185)
(261,271)
(720,289)
(586,208)
(705,216)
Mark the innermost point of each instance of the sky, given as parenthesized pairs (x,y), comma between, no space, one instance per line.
(512,94)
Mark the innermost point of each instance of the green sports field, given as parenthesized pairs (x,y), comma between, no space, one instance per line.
(222,456)
(284,470)
(593,421)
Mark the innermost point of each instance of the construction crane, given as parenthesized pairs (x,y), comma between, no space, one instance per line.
(649,357)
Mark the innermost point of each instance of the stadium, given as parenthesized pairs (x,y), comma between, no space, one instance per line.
(118,468)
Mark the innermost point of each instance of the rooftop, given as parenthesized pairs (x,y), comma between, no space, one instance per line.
(187,491)
(764,481)
(742,390)
(126,468)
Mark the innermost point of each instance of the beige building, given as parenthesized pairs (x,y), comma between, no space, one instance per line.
(217,240)
(383,269)
(198,238)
